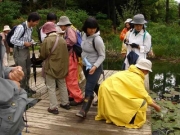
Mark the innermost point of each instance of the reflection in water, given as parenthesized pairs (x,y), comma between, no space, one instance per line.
(163,81)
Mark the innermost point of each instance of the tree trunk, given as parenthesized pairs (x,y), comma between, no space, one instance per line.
(114,16)
(167,11)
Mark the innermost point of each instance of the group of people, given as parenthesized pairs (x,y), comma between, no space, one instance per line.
(122,98)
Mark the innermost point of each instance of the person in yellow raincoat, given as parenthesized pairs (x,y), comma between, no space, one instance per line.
(122,98)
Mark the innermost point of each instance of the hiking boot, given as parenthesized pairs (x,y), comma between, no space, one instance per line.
(74,103)
(67,106)
(53,111)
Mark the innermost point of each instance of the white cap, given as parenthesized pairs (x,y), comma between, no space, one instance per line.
(128,20)
(144,64)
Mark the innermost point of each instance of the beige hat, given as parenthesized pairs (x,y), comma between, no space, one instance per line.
(59,30)
(128,20)
(6,27)
(144,64)
(138,19)
(64,20)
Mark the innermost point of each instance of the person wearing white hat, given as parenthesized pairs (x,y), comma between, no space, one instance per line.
(123,99)
(128,26)
(138,42)
(6,30)
(70,35)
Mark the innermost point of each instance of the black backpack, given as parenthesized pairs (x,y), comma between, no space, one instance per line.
(11,33)
(39,33)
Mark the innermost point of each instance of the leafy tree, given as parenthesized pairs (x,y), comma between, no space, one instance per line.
(9,11)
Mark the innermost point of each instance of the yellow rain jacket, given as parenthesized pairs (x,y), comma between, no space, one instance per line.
(121,97)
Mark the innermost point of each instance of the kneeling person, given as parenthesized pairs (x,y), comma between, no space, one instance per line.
(123,99)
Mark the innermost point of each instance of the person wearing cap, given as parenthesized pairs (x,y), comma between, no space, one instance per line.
(70,36)
(125,29)
(6,30)
(55,67)
(123,99)
(138,43)
(128,26)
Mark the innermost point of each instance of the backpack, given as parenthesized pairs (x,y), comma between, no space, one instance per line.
(77,47)
(11,33)
(93,43)
(39,33)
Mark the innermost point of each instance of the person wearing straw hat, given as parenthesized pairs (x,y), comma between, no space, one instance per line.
(123,99)
(138,42)
(55,66)
(7,54)
(70,36)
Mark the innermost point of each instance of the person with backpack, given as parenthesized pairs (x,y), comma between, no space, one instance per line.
(70,36)
(93,54)
(56,59)
(138,42)
(6,30)
(123,99)
(13,98)
(22,46)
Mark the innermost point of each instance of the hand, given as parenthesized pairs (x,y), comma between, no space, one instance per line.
(157,108)
(133,45)
(17,83)
(16,74)
(27,44)
(126,41)
(92,70)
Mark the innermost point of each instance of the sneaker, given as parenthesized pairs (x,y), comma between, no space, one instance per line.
(95,103)
(74,103)
(67,106)
(54,111)
(81,114)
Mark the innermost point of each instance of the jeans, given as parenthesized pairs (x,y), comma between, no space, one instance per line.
(91,80)
(20,134)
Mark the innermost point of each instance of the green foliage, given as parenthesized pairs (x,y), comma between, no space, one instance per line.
(9,11)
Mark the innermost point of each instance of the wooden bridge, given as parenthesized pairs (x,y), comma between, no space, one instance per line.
(40,122)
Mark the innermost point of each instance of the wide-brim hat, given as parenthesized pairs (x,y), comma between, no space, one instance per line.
(144,64)
(48,27)
(64,20)
(128,20)
(138,19)
(6,27)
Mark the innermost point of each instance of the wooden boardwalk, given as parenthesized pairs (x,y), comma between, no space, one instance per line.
(40,122)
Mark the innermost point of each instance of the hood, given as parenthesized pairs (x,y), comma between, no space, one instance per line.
(134,69)
(84,37)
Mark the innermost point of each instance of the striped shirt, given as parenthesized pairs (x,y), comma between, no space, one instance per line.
(17,40)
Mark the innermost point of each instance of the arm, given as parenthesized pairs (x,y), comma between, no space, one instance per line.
(145,48)
(17,35)
(44,51)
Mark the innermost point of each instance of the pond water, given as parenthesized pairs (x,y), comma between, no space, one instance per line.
(165,75)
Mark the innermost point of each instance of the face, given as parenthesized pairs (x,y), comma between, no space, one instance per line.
(127,25)
(63,28)
(33,24)
(138,27)
(91,31)
(7,31)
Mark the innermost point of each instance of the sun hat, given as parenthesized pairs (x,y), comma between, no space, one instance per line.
(6,27)
(139,19)
(144,64)
(59,30)
(64,20)
(48,27)
(128,20)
